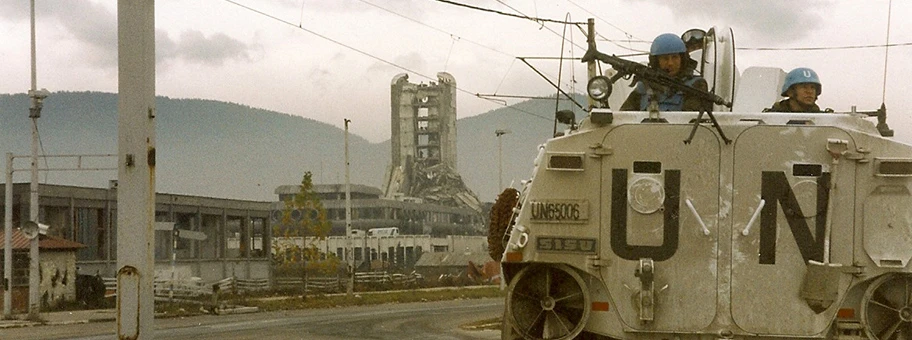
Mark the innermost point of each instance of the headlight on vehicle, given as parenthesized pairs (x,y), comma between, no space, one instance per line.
(599,88)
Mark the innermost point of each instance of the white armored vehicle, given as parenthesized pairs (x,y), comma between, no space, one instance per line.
(732,224)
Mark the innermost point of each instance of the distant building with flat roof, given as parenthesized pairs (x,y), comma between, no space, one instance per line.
(370,210)
(393,253)
(237,233)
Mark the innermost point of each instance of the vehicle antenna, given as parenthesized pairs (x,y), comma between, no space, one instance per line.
(560,71)
(883,98)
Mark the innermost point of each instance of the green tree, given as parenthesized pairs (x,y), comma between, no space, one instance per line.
(304,223)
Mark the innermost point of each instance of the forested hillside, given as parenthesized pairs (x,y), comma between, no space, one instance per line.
(229,150)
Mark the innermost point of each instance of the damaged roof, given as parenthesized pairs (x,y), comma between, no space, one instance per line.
(47,242)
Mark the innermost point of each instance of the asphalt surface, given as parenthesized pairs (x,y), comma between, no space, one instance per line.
(427,320)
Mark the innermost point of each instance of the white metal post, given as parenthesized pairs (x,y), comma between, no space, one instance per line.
(136,168)
(499,163)
(173,259)
(34,267)
(8,240)
(348,223)
(498,133)
(34,113)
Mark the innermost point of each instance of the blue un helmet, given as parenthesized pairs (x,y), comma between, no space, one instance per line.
(667,43)
(801,75)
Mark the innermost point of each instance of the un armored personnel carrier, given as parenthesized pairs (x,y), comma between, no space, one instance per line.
(731,224)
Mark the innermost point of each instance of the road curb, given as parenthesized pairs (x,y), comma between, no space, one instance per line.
(64,323)
(236,310)
(17,324)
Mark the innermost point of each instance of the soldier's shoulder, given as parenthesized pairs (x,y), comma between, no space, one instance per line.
(779,106)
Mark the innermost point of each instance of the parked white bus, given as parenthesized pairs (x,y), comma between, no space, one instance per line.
(392,231)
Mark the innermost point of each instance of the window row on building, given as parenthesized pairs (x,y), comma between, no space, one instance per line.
(192,229)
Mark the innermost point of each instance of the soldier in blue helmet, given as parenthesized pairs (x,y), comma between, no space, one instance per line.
(802,87)
(669,54)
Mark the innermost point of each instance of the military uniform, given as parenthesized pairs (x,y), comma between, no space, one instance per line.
(783,106)
(676,101)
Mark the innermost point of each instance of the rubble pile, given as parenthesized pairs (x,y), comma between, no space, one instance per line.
(440,184)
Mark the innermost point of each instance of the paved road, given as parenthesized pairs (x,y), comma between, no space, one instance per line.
(429,320)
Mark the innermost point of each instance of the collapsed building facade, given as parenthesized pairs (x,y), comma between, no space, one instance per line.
(423,144)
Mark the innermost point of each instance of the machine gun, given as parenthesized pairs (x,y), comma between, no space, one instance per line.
(654,77)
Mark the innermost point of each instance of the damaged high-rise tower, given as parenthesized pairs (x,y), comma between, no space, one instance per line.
(423,144)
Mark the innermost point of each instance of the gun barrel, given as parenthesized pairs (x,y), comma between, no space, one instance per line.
(644,73)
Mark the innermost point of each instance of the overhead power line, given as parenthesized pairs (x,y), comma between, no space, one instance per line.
(436,29)
(454,37)
(628,34)
(521,16)
(536,19)
(301,27)
(630,37)
(634,39)
(822,48)
(541,21)
(578,25)
(603,38)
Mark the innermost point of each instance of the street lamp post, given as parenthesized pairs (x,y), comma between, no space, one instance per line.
(8,240)
(498,133)
(34,112)
(348,224)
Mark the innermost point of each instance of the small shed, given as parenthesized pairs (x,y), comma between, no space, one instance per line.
(57,262)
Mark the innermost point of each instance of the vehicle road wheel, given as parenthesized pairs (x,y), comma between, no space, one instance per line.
(548,302)
(886,310)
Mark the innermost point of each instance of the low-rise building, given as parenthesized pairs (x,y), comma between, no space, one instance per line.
(369,211)
(237,240)
(57,261)
(393,253)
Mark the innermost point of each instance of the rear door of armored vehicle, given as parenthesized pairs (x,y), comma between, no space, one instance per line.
(648,180)
(789,169)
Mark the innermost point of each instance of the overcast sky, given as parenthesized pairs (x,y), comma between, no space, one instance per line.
(334,59)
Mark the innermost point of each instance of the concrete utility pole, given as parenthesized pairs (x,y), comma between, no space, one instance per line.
(34,113)
(8,240)
(498,133)
(136,169)
(348,222)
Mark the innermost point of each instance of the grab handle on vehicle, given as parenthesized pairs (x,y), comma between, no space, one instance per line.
(697,216)
(753,218)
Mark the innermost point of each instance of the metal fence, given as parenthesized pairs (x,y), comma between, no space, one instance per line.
(375,280)
(195,287)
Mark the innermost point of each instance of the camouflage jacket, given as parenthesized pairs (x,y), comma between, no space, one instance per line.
(783,106)
(690,103)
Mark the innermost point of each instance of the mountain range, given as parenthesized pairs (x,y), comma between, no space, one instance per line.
(229,150)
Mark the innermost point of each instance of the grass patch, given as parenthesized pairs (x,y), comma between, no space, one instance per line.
(375,298)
